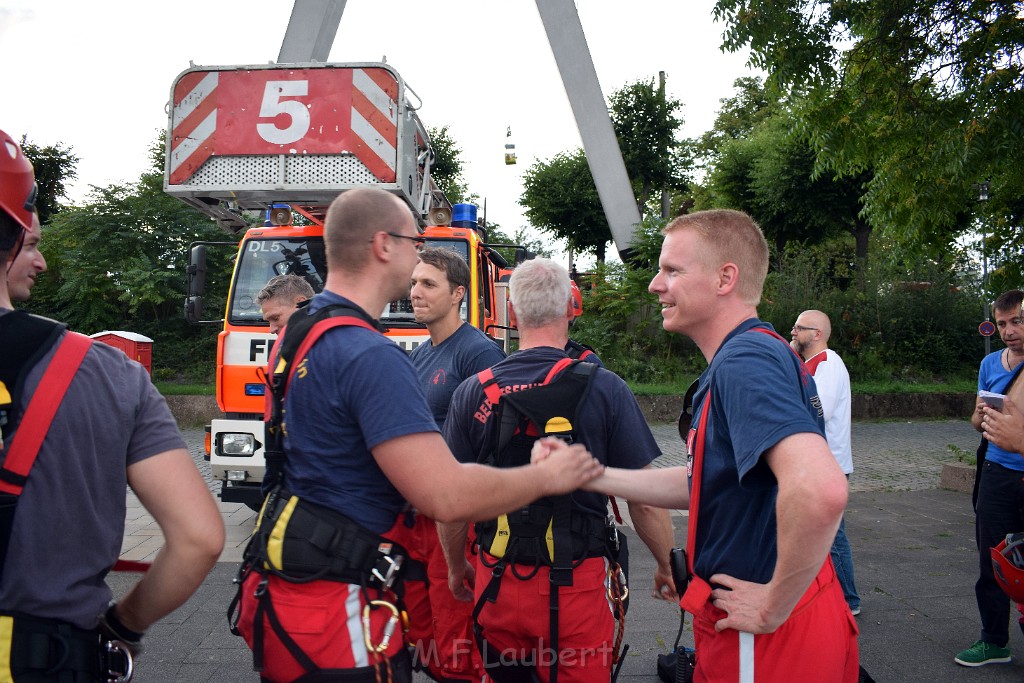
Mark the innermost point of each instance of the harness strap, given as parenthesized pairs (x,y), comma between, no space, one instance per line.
(40,412)
(560,527)
(286,355)
(699,590)
(35,423)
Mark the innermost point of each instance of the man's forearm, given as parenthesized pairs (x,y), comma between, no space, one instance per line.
(664,488)
(654,527)
(452,536)
(807,526)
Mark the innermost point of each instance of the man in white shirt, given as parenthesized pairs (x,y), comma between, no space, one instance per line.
(810,337)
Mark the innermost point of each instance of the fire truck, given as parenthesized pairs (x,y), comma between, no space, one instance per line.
(263,150)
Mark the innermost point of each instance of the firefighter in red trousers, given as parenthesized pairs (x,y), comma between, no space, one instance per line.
(546,578)
(765,494)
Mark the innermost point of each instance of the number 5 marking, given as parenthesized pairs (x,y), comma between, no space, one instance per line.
(273,105)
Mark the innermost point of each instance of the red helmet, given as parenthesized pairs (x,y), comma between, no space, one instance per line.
(1008,566)
(577,299)
(17,182)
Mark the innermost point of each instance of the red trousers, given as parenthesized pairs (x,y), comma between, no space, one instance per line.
(324,618)
(517,625)
(444,633)
(816,644)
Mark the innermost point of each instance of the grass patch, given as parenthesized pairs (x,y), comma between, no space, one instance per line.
(175,389)
(672,389)
(962,455)
(955,386)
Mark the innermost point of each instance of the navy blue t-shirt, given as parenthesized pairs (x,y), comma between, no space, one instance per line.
(355,390)
(442,368)
(612,426)
(761,392)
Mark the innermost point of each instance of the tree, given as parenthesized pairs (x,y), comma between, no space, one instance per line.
(560,198)
(646,123)
(118,262)
(54,167)
(770,174)
(737,117)
(927,94)
(447,167)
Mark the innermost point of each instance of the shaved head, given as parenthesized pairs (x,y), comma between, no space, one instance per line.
(819,320)
(352,221)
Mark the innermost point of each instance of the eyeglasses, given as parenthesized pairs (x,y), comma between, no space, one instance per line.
(419,241)
(801,328)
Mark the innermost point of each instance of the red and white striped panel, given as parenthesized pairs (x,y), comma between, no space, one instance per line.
(375,121)
(193,123)
(370,95)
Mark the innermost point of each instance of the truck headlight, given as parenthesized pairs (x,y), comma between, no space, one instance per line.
(237,444)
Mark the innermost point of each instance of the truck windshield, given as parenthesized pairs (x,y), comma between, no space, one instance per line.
(262,259)
(399,313)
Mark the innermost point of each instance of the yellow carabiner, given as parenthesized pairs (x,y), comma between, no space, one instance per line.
(389,627)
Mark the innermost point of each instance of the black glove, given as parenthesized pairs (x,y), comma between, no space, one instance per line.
(112,629)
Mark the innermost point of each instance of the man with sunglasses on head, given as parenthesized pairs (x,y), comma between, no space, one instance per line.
(78,422)
(764,492)
(999,490)
(809,337)
(360,449)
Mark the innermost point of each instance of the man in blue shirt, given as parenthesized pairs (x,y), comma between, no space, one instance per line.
(456,350)
(767,495)
(1000,491)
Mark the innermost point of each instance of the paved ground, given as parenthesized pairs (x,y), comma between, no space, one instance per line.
(913,549)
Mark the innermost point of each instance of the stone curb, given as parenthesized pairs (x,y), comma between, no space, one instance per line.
(193,411)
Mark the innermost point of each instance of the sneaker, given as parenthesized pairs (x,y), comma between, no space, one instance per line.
(855,611)
(982,653)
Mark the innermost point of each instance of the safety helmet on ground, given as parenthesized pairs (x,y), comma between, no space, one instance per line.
(17,182)
(1008,566)
(577,299)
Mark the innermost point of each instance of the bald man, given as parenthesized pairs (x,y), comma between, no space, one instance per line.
(809,338)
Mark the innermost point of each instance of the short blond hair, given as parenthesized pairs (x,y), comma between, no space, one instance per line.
(730,236)
(353,218)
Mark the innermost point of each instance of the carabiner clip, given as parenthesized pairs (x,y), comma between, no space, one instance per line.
(389,628)
(617,579)
(117,647)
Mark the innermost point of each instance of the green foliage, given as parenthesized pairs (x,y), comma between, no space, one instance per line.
(895,326)
(560,198)
(646,123)
(118,263)
(770,173)
(738,116)
(927,94)
(447,169)
(913,322)
(54,167)
(622,320)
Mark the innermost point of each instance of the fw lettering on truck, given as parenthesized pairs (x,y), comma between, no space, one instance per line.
(263,150)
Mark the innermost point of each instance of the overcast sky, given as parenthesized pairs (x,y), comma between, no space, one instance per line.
(96,74)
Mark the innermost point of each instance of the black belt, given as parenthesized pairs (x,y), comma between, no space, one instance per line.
(50,647)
